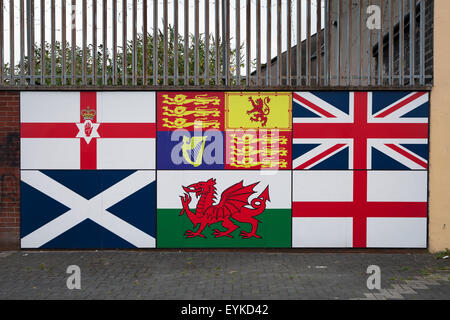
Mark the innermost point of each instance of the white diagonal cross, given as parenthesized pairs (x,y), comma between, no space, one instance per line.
(81,209)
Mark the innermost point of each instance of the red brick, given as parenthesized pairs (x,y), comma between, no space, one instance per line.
(10,206)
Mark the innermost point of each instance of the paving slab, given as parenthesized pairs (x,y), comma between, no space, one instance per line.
(218,275)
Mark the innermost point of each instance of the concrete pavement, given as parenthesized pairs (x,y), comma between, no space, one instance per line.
(222,275)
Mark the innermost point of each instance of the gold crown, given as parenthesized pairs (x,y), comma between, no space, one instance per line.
(88,114)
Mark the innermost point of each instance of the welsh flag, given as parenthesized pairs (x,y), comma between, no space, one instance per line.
(211,209)
(87,130)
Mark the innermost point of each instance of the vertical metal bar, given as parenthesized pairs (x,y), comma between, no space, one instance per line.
(217,26)
(94,42)
(11,43)
(74,41)
(53,31)
(338,42)
(43,55)
(206,64)
(186,42)
(114,41)
(327,41)
(401,33)
(288,50)
(84,33)
(248,44)
(258,42)
(279,56)
(299,42)
(134,58)
(422,42)
(269,42)
(308,42)
(197,51)
(224,36)
(2,52)
(105,41)
(369,54)
(227,43)
(412,41)
(381,46)
(391,42)
(349,44)
(22,40)
(144,42)
(175,41)
(238,42)
(166,43)
(319,42)
(124,43)
(360,23)
(1,43)
(63,45)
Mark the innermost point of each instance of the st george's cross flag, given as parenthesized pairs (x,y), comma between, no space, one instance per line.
(89,209)
(360,134)
(359,208)
(360,130)
(87,130)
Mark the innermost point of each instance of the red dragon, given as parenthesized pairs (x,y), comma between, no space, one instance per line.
(233,205)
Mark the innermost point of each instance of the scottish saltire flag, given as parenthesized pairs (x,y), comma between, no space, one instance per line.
(224,209)
(359,208)
(87,130)
(360,130)
(190,130)
(88,209)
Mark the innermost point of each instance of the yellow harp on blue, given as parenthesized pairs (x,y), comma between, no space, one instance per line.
(193,149)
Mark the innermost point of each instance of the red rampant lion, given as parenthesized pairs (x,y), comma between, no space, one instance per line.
(234,204)
(260,110)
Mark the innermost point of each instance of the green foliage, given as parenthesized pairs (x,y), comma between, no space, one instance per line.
(104,62)
(442,254)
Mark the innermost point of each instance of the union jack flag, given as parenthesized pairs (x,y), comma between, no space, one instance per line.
(360,130)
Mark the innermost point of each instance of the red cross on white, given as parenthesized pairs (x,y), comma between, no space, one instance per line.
(360,130)
(87,130)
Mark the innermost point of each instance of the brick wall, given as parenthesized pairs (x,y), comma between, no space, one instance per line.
(9,170)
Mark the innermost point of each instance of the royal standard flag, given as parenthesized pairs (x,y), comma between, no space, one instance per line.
(258,130)
(190,130)
(224,209)
(258,110)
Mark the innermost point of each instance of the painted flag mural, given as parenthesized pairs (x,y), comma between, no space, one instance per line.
(214,209)
(212,169)
(258,130)
(87,130)
(190,130)
(380,209)
(379,143)
(88,178)
(88,209)
(360,130)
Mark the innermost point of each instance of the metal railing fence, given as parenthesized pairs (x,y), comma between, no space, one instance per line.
(216,44)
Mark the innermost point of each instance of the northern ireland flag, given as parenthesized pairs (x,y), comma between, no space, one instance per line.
(360,130)
(359,208)
(87,130)
(91,209)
